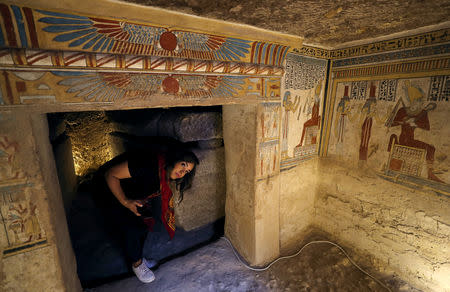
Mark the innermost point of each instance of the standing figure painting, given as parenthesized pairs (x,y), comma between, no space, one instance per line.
(368,111)
(343,116)
(289,106)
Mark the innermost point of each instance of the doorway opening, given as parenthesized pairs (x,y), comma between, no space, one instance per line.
(83,141)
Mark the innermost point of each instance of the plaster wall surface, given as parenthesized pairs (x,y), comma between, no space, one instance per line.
(297,194)
(406,231)
(240,121)
(267,227)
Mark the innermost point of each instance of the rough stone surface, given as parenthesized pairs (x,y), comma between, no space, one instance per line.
(205,201)
(62,149)
(183,124)
(57,125)
(297,193)
(209,144)
(90,141)
(136,122)
(326,23)
(187,127)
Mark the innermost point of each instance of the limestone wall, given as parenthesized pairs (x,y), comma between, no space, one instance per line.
(405,231)
(240,154)
(298,187)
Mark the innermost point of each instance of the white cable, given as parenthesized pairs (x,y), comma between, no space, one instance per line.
(297,253)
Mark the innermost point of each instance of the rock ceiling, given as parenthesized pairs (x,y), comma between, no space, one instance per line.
(321,22)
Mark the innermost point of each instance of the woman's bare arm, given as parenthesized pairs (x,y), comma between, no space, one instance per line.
(113,177)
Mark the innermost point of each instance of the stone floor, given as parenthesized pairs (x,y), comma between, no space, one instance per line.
(215,268)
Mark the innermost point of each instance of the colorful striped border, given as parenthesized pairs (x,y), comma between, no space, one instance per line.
(77,60)
(396,68)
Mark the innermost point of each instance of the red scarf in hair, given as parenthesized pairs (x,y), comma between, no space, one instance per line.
(167,211)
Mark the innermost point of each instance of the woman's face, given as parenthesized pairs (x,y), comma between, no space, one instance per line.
(180,169)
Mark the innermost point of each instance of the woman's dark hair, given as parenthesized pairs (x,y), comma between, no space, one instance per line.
(177,155)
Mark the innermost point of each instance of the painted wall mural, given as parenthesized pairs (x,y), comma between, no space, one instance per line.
(28,87)
(303,92)
(21,230)
(269,139)
(395,126)
(33,28)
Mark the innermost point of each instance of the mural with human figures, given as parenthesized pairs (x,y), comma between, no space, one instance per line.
(302,102)
(21,230)
(269,139)
(395,126)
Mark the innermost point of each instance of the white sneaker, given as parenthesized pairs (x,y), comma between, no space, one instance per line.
(144,274)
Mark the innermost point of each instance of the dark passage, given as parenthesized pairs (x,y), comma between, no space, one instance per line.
(84,141)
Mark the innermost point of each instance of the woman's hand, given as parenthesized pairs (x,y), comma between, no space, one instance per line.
(132,205)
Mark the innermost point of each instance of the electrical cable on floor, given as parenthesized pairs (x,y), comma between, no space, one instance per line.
(297,253)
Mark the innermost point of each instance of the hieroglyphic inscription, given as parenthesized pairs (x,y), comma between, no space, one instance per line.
(303,73)
(387,90)
(407,160)
(358,90)
(313,52)
(419,40)
(439,88)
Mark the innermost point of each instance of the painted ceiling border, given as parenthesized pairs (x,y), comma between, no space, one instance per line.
(63,29)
